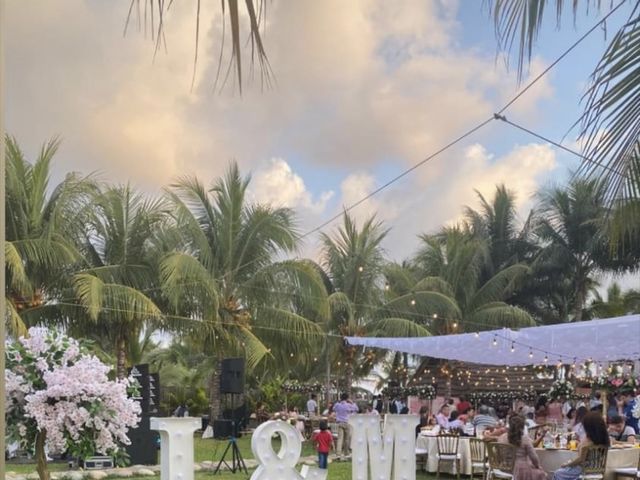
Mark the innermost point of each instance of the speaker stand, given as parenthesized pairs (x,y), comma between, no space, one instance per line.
(237,462)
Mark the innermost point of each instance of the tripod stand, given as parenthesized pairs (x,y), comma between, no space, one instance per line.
(237,462)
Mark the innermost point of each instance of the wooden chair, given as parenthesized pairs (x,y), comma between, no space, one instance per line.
(594,465)
(629,471)
(478,456)
(448,452)
(502,460)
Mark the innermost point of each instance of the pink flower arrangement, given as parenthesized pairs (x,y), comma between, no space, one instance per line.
(52,385)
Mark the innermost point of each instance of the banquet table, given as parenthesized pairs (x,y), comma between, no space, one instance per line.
(553,459)
(430,444)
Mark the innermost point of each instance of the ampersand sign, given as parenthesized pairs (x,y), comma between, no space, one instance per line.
(280,465)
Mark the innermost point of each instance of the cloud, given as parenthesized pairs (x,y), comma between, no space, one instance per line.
(280,186)
(362,87)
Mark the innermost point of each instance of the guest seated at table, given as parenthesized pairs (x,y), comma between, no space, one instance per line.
(619,432)
(596,434)
(577,427)
(456,421)
(527,465)
(443,417)
(482,420)
(554,412)
(424,419)
(463,405)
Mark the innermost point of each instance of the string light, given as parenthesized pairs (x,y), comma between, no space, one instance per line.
(435,315)
(495,340)
(513,347)
(477,334)
(530,353)
(361,268)
(413,302)
(455,324)
(386,287)
(546,359)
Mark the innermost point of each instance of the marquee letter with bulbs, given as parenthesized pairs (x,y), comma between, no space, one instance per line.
(376,454)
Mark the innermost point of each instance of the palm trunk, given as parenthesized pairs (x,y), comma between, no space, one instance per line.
(214,392)
(121,362)
(580,298)
(348,377)
(327,386)
(41,456)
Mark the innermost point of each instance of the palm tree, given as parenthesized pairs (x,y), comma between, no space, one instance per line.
(496,223)
(115,289)
(42,229)
(617,304)
(609,126)
(354,261)
(570,228)
(225,278)
(454,261)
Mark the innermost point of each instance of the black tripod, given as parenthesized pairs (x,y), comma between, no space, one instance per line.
(237,462)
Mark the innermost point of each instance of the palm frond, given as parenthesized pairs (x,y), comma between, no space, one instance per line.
(499,315)
(155,18)
(396,327)
(500,286)
(610,124)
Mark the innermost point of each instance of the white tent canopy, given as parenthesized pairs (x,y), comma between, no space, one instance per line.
(603,341)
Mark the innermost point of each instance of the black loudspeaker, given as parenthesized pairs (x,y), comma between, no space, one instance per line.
(223,429)
(232,375)
(144,444)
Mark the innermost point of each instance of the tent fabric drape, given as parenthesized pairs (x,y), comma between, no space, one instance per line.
(604,341)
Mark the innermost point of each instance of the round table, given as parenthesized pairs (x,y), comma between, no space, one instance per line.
(553,459)
(430,444)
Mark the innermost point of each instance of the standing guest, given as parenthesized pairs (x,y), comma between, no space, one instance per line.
(323,441)
(377,403)
(312,406)
(452,405)
(527,466)
(443,416)
(541,411)
(628,404)
(463,406)
(577,427)
(612,405)
(566,408)
(328,410)
(595,434)
(619,432)
(371,410)
(554,412)
(344,409)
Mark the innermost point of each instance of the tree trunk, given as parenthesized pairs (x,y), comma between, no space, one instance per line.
(327,386)
(348,377)
(121,353)
(214,392)
(580,298)
(41,456)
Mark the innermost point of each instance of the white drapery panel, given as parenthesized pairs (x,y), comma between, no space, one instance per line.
(603,341)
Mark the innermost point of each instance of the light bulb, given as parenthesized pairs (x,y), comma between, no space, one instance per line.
(495,340)
(530,354)
(455,324)
(360,268)
(413,301)
(546,359)
(513,347)
(435,315)
(477,335)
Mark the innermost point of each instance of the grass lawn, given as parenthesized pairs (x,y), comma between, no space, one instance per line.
(212,450)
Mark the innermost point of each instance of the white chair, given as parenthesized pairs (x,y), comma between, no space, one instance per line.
(421,457)
(448,452)
(479,459)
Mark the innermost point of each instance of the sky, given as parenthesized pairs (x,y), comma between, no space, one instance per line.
(365,89)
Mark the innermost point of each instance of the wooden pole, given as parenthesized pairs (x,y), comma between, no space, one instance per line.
(3,306)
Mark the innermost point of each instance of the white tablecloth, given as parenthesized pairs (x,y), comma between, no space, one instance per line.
(430,444)
(551,460)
